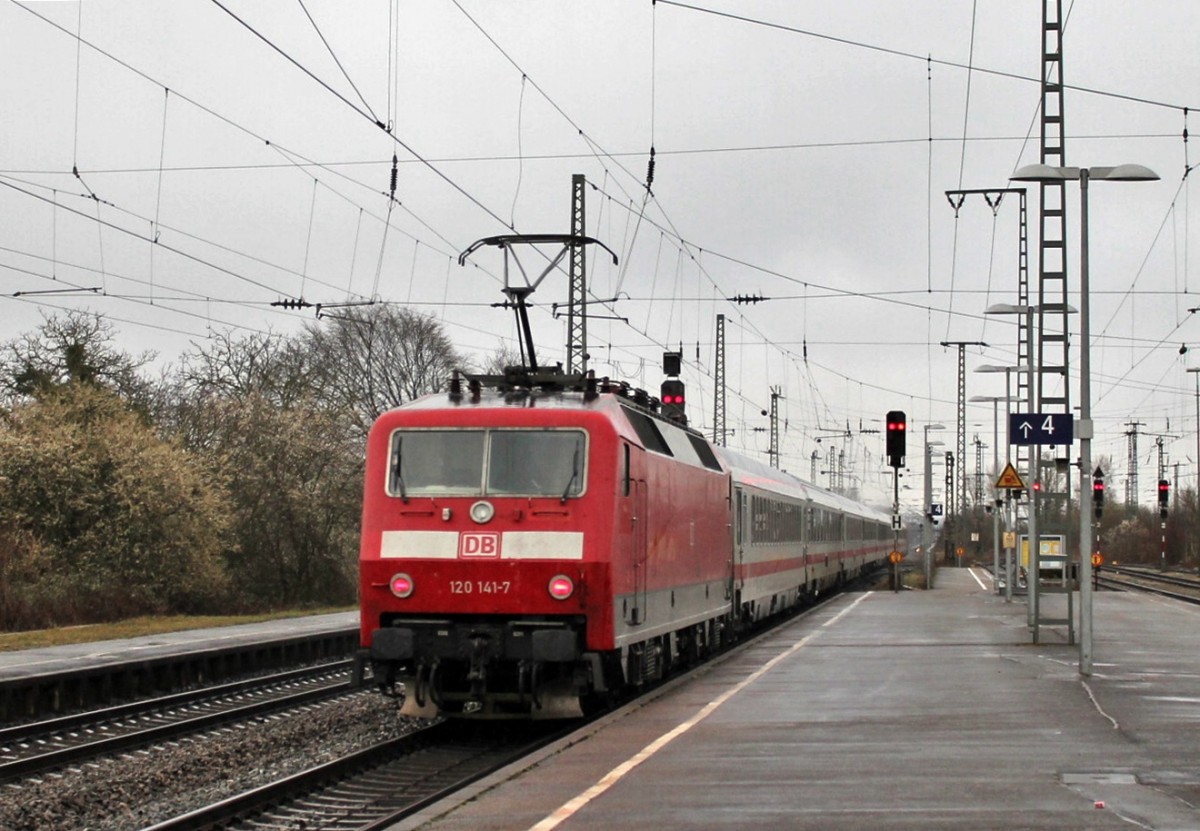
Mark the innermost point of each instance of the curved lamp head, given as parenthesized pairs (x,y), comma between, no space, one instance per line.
(1049,173)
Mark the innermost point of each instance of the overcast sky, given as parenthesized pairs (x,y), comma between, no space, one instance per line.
(802,154)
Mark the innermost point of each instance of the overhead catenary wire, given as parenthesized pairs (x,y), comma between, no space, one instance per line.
(162,150)
(333,55)
(700,265)
(512,213)
(900,53)
(207,109)
(366,115)
(289,155)
(331,166)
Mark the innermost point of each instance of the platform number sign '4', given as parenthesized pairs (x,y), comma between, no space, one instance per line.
(1041,428)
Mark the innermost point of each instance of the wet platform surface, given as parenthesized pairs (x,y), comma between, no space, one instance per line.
(911,710)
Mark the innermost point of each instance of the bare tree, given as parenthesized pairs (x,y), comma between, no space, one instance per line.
(378,358)
(290,458)
(503,357)
(75,347)
(266,364)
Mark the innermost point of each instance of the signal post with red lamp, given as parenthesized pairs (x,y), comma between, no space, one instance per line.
(896,445)
(1164,497)
(672,392)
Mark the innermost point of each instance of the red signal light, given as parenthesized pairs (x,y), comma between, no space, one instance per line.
(672,396)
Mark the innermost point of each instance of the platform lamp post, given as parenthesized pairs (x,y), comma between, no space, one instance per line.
(1195,370)
(994,400)
(1121,173)
(1034,462)
(1008,399)
(929,503)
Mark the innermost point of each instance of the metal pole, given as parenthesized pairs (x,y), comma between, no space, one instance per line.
(1032,576)
(928,516)
(896,532)
(1008,556)
(1196,371)
(995,507)
(1085,439)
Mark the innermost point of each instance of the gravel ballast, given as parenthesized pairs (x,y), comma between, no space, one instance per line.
(141,788)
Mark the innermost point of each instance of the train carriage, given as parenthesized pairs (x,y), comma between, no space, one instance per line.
(793,540)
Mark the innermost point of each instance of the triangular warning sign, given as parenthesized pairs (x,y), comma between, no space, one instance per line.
(1010,478)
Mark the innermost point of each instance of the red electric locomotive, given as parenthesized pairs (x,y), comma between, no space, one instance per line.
(529,547)
(535,541)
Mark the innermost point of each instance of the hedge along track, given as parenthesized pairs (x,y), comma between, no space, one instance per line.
(41,746)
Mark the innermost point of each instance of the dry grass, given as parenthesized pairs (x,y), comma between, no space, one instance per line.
(12,641)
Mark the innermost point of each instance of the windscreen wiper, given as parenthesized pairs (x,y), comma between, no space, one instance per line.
(397,478)
(574,474)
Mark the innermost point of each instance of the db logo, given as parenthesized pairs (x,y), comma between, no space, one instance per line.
(479,545)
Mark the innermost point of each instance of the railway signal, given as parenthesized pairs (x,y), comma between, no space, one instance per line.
(1098,492)
(897,432)
(1164,496)
(674,397)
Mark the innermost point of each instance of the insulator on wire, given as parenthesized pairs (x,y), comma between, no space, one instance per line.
(395,162)
(650,169)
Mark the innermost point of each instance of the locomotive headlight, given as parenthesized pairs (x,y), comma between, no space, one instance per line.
(560,587)
(401,585)
(482,511)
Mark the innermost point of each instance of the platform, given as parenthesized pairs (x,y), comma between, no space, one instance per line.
(911,710)
(77,656)
(42,682)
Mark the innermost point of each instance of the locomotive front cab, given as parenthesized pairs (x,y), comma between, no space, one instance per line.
(475,599)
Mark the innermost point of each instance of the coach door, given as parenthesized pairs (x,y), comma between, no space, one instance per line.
(639,531)
(741,539)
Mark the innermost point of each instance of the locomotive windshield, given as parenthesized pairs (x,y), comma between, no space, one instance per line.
(487,462)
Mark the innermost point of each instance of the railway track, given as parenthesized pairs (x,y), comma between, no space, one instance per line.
(32,748)
(1176,585)
(364,789)
(376,787)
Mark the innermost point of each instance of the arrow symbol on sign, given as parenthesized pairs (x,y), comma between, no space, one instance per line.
(1025,428)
